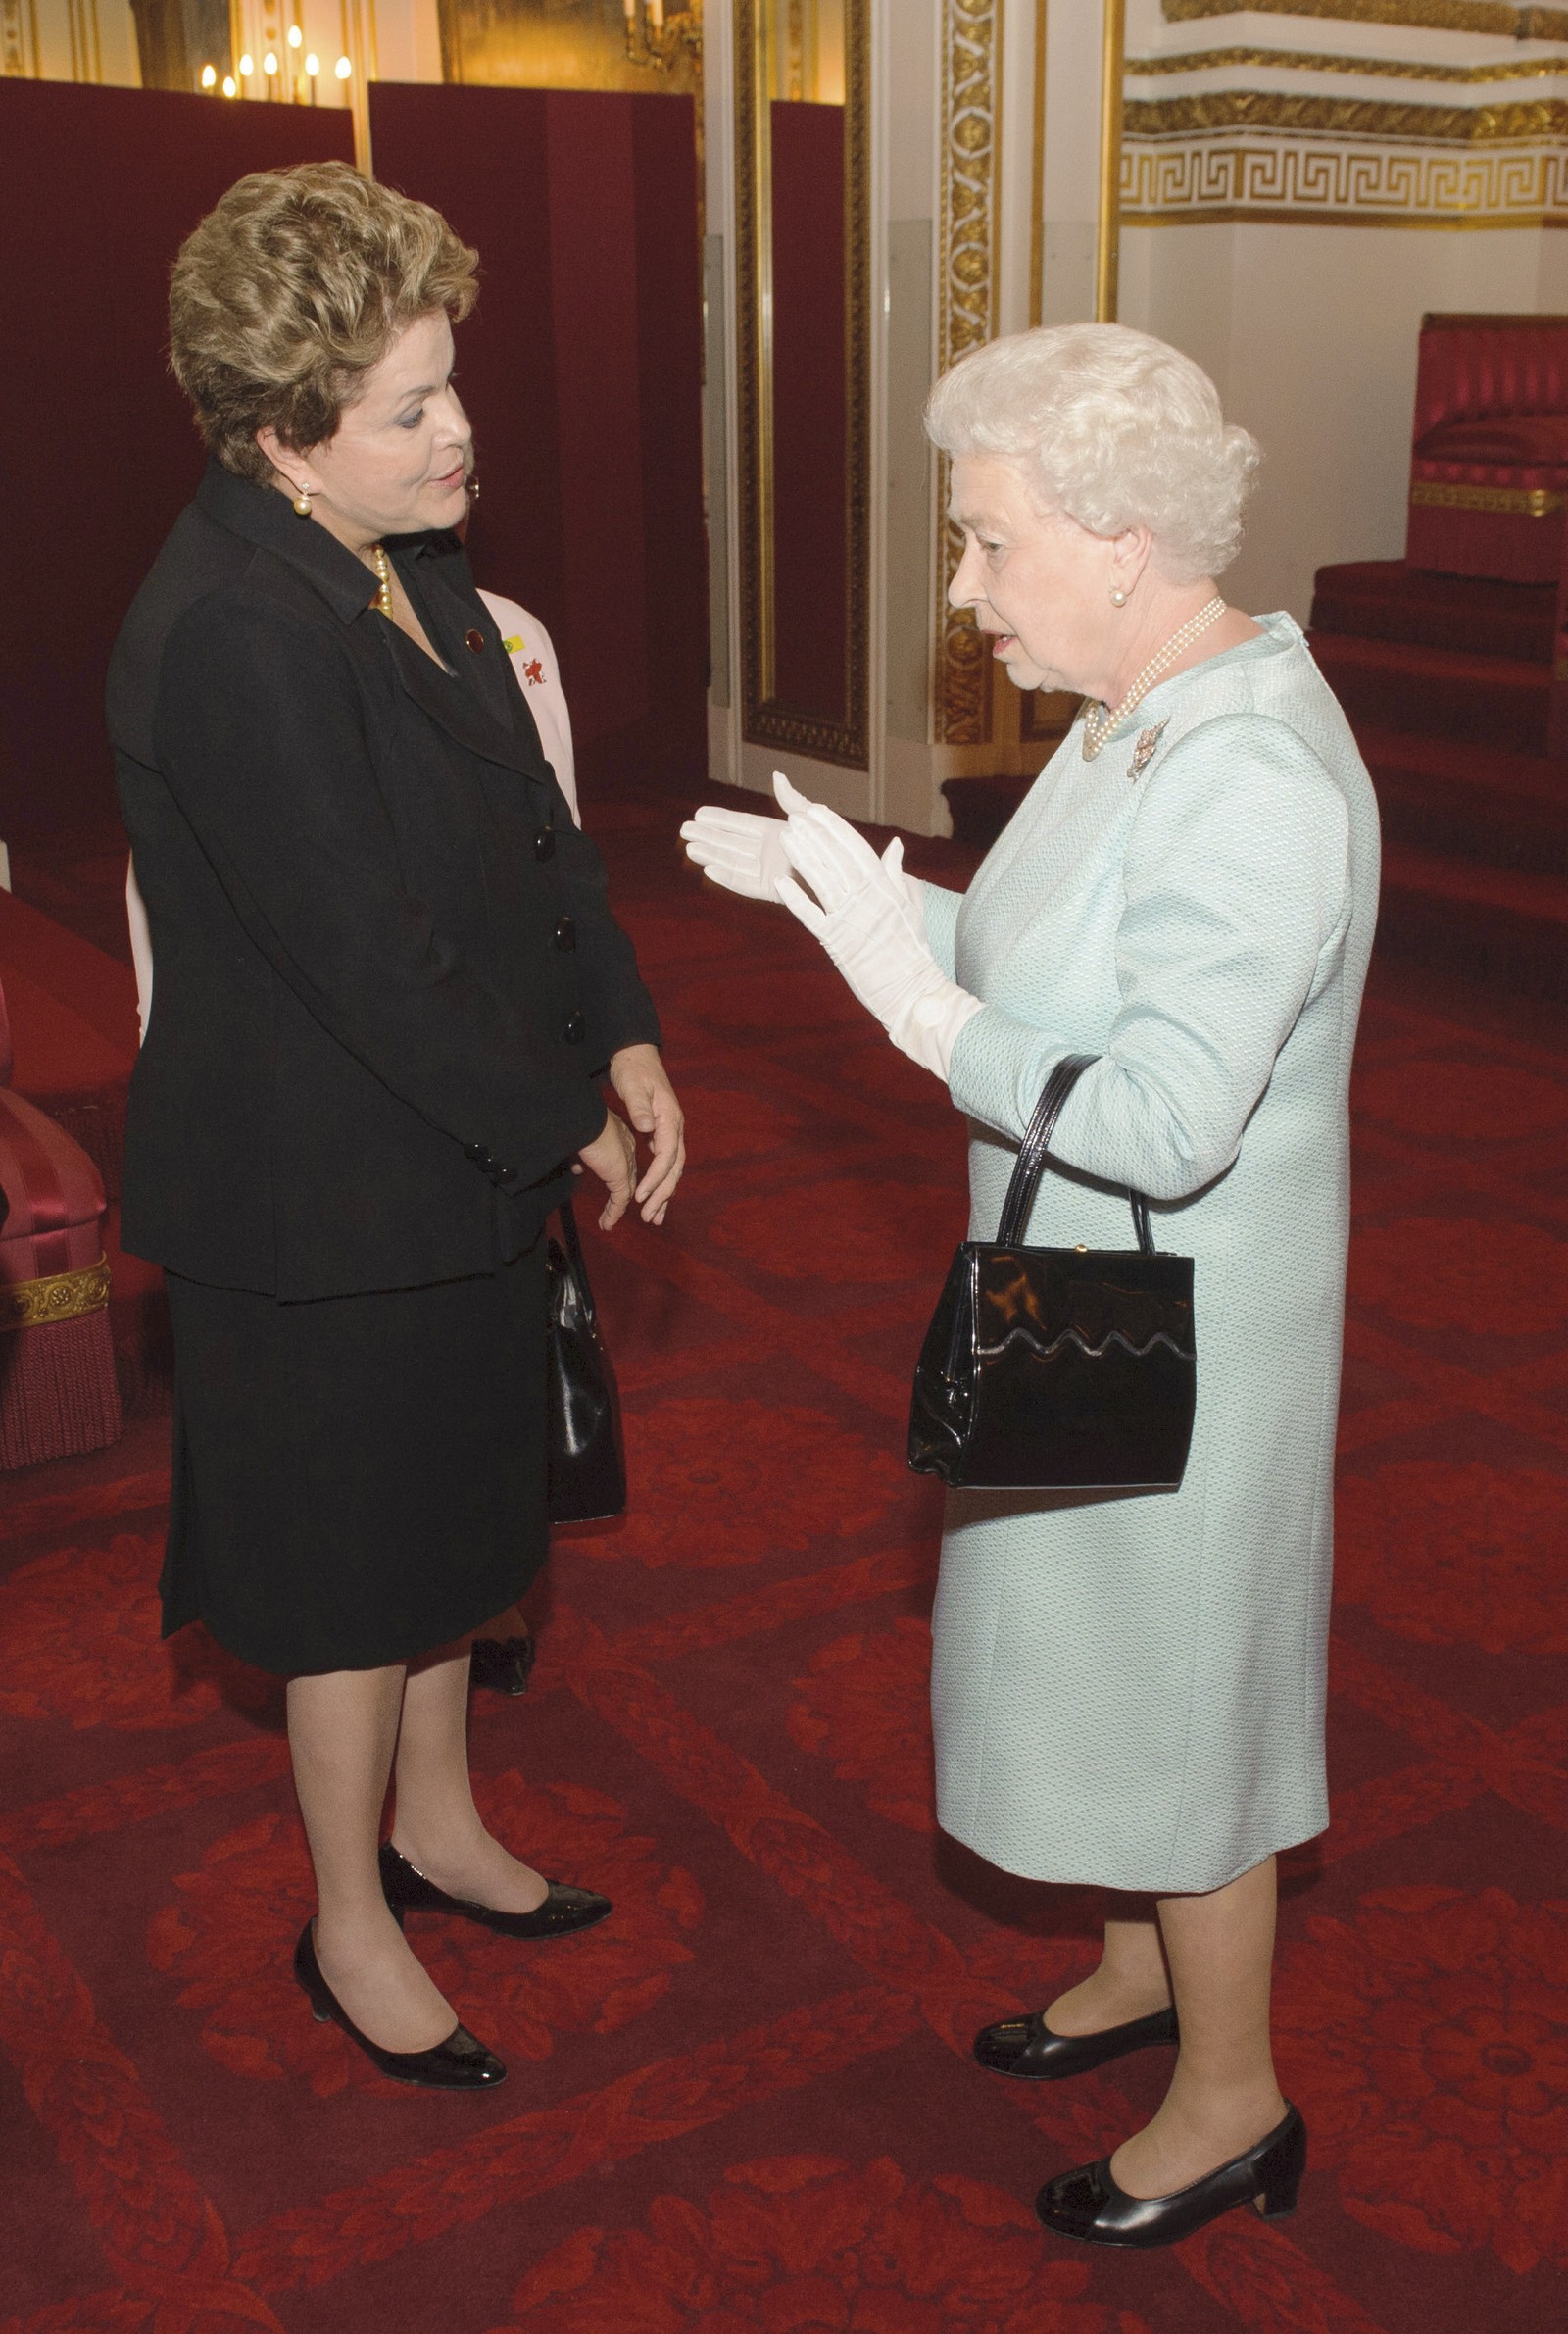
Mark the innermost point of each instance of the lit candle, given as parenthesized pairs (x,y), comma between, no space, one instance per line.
(246,67)
(313,65)
(209,77)
(269,64)
(342,69)
(228,86)
(295,36)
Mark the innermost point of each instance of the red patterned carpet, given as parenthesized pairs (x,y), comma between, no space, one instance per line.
(746,2106)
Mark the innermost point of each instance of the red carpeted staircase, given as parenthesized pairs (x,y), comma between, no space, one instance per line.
(1446,681)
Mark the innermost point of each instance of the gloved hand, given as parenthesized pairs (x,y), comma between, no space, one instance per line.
(864,924)
(741,851)
(745,852)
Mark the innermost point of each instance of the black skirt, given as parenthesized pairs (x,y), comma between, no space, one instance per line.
(357,1479)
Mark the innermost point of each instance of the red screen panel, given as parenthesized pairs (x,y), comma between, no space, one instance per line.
(99,187)
(810,549)
(581,370)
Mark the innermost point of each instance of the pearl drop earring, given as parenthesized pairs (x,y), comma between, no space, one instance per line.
(1118,598)
(301,502)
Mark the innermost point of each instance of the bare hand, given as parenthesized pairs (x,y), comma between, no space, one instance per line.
(637,1075)
(611,1156)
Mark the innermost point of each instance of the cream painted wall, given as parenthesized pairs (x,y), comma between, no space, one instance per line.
(1310,335)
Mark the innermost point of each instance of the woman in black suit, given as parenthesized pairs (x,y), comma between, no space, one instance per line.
(388,988)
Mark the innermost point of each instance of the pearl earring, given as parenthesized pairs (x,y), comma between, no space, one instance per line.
(301,502)
(1118,598)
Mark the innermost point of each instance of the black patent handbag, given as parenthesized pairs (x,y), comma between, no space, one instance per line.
(585,1465)
(1057,1368)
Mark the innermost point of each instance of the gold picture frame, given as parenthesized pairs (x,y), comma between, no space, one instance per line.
(766,720)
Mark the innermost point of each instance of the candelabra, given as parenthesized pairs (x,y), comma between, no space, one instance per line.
(655,40)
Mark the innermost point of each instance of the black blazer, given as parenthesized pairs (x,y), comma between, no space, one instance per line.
(386,976)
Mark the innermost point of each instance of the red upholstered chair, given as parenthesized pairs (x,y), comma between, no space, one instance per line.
(1489,472)
(58,1393)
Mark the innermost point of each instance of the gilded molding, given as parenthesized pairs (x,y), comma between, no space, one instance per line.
(1392,68)
(1514,502)
(1297,182)
(56,1297)
(764,720)
(19,41)
(1528,120)
(1497,16)
(966,310)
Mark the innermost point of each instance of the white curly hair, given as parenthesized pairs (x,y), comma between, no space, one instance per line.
(1111,426)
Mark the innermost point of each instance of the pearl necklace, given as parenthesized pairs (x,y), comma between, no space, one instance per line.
(1099,724)
(383,576)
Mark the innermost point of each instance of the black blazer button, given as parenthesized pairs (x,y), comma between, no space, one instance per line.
(474,640)
(576,1028)
(566,933)
(544,843)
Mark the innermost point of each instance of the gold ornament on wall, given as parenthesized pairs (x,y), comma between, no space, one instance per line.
(967,312)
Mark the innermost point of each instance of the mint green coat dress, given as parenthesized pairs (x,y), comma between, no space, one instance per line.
(1128,1689)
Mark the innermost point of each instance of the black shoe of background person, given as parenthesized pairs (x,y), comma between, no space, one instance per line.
(563,1910)
(1088,2204)
(1027,2048)
(502,1664)
(460,2063)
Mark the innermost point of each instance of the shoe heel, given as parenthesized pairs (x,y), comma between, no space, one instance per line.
(1279,2175)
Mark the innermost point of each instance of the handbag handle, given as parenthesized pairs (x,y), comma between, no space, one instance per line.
(572,1241)
(1032,1153)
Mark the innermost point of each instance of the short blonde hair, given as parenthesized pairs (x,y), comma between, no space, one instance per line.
(290,290)
(1111,426)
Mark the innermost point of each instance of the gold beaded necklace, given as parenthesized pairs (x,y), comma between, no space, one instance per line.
(383,576)
(1099,722)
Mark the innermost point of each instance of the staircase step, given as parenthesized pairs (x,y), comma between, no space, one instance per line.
(1395,684)
(1451,797)
(1496,924)
(982,806)
(1385,599)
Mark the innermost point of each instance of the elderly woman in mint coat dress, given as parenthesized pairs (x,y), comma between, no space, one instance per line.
(1127,1690)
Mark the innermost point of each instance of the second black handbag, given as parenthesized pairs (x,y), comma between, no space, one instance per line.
(1057,1368)
(585,1468)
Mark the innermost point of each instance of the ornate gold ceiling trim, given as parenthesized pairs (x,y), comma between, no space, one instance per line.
(1300,181)
(1393,68)
(967,311)
(1218,111)
(1497,16)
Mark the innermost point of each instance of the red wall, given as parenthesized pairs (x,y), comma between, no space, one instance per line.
(98,188)
(581,370)
(811,543)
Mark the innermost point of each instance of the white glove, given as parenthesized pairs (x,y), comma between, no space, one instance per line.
(746,854)
(739,850)
(864,924)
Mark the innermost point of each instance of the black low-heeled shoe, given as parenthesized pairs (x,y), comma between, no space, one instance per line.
(460,2063)
(502,1664)
(1088,2204)
(563,1910)
(1027,2048)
